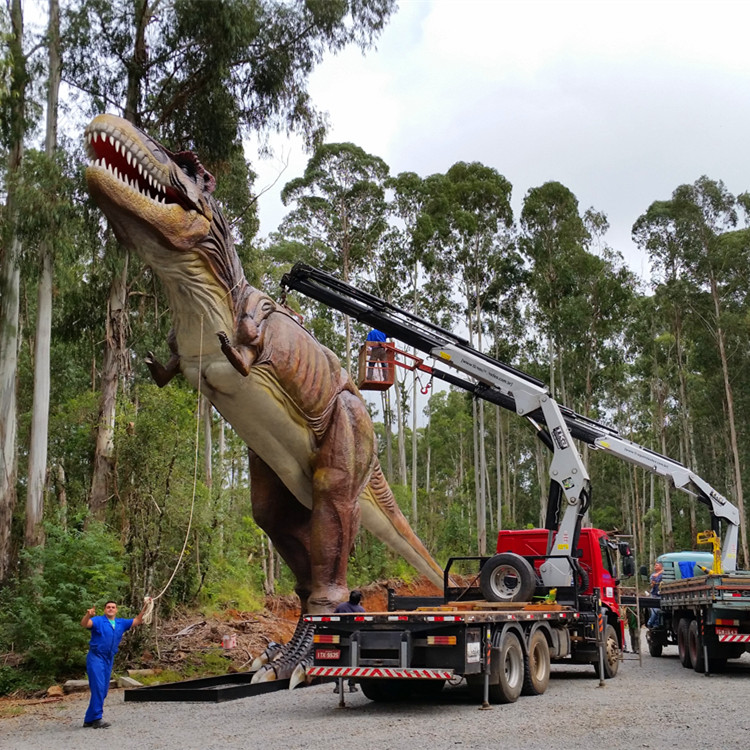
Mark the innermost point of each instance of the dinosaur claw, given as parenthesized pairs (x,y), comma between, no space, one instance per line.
(265,674)
(299,676)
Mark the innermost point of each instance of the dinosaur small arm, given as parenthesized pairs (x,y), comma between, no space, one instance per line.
(313,465)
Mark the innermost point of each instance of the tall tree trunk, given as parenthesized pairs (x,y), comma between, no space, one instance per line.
(115,358)
(10,279)
(219,493)
(414,457)
(40,409)
(498,468)
(401,437)
(736,466)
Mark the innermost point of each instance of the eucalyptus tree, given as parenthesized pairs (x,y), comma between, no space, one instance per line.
(698,217)
(14,135)
(340,208)
(413,273)
(471,216)
(40,413)
(553,236)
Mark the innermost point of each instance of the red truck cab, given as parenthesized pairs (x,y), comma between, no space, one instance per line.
(594,554)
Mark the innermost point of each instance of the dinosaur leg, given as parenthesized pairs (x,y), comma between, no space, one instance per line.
(287,524)
(340,471)
(285,520)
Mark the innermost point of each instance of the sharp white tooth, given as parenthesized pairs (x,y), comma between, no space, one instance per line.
(128,157)
(140,169)
(111,140)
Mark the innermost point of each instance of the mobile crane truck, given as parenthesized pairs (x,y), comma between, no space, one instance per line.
(547,595)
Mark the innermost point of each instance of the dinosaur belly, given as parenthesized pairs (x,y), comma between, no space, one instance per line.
(264,417)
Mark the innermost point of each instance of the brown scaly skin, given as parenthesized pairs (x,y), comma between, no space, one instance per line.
(313,468)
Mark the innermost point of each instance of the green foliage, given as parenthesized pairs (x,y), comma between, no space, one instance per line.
(41,612)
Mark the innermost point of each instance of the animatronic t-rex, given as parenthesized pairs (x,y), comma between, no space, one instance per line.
(311,443)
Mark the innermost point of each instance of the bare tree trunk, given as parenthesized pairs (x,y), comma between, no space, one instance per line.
(115,358)
(498,468)
(208,471)
(40,411)
(736,466)
(414,462)
(387,425)
(401,436)
(62,496)
(220,488)
(10,279)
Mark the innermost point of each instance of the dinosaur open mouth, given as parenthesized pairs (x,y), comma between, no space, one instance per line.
(128,162)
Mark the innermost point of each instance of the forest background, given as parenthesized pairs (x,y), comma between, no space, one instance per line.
(99,468)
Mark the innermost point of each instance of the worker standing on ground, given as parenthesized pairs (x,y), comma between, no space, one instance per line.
(353,605)
(107,631)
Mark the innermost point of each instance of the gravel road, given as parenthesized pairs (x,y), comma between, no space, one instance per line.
(654,705)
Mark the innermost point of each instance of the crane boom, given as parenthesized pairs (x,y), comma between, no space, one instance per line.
(512,389)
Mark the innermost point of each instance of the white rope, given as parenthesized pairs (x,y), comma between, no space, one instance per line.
(148,600)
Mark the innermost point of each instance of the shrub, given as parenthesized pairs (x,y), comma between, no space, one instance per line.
(41,616)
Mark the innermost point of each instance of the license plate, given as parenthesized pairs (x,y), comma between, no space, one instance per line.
(726,631)
(330,654)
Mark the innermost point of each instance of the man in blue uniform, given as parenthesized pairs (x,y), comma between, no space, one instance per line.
(107,631)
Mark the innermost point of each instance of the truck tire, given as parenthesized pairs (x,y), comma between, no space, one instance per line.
(386,691)
(507,577)
(510,684)
(611,654)
(695,647)
(683,651)
(654,644)
(537,665)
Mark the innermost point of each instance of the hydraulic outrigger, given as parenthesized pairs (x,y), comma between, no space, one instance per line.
(556,425)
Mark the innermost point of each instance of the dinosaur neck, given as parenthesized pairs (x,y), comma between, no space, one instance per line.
(201,306)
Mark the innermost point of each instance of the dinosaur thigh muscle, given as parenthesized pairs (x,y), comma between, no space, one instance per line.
(341,471)
(285,520)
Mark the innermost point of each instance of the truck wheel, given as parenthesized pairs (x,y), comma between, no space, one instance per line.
(537,667)
(654,646)
(386,691)
(510,656)
(695,647)
(611,654)
(683,651)
(507,577)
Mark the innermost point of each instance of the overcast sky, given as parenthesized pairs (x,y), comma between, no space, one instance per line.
(620,101)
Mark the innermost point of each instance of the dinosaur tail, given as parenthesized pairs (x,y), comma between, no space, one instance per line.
(382,517)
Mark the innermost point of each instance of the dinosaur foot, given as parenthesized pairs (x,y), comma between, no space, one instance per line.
(289,661)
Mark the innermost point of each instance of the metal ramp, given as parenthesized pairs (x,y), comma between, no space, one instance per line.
(227,687)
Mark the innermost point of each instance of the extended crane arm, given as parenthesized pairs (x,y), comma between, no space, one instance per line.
(516,391)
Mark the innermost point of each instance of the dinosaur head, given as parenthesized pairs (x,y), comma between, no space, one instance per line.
(154,199)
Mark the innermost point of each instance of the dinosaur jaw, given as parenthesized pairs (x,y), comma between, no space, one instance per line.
(142,191)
